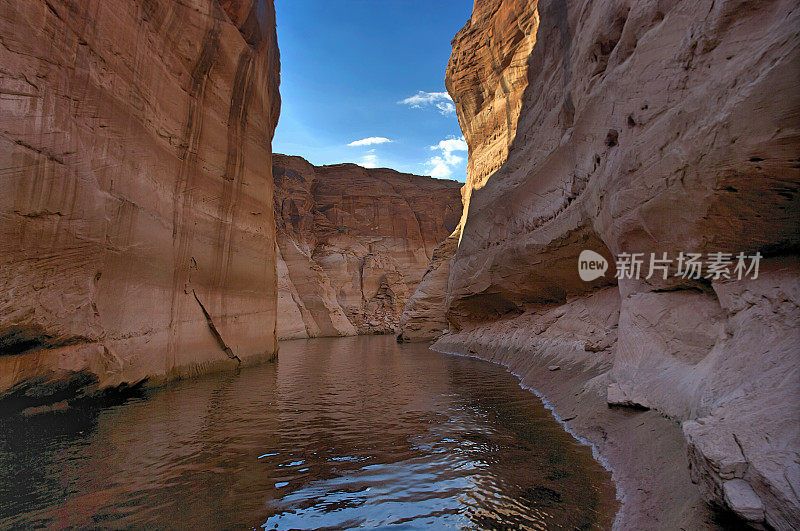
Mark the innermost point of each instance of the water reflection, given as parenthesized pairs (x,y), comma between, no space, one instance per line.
(339,433)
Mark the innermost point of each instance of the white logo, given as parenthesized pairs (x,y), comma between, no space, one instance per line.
(591,265)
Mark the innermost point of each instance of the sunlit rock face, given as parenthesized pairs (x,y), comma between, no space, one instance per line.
(354,243)
(647,127)
(135,206)
(486,77)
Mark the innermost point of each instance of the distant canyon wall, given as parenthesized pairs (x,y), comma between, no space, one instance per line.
(353,244)
(136,238)
(646,127)
(423,317)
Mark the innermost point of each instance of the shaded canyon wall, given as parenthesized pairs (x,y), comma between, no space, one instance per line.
(136,240)
(353,244)
(647,127)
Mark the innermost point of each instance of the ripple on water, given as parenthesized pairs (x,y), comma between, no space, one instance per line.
(338,433)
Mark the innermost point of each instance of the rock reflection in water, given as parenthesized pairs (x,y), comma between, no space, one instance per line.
(338,433)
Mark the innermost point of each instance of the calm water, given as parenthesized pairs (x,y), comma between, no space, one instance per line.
(338,433)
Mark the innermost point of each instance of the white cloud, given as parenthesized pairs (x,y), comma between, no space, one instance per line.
(449,145)
(369,141)
(438,168)
(446,107)
(440,100)
(441,166)
(369,161)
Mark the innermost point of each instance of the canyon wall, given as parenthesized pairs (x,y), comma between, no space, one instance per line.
(136,235)
(353,244)
(641,127)
(486,77)
(423,317)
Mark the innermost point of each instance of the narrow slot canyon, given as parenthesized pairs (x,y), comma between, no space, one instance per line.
(475,264)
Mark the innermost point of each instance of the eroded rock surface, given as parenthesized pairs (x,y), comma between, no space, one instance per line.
(354,244)
(646,127)
(423,317)
(486,77)
(137,239)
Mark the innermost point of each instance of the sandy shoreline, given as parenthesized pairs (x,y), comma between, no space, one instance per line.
(645,451)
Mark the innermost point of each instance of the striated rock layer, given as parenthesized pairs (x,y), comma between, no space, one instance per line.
(353,244)
(137,239)
(645,127)
(486,77)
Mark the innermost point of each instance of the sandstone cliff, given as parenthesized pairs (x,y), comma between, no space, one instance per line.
(353,244)
(486,77)
(423,317)
(644,127)
(137,239)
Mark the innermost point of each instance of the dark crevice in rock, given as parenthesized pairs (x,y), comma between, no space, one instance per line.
(10,347)
(612,138)
(25,339)
(215,332)
(698,286)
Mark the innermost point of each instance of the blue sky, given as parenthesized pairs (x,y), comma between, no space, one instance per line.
(363,81)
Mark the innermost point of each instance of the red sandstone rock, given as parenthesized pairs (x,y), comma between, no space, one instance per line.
(136,235)
(423,317)
(486,77)
(636,126)
(355,243)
